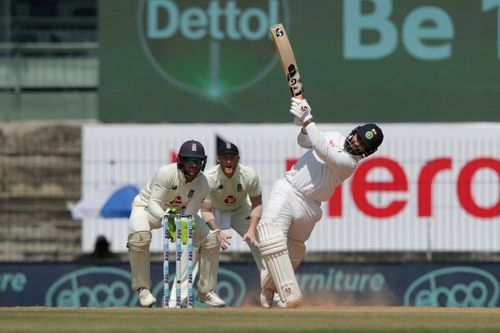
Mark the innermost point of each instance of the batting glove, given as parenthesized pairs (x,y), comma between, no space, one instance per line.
(300,109)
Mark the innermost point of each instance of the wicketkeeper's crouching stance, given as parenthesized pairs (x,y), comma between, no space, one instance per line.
(294,205)
(184,187)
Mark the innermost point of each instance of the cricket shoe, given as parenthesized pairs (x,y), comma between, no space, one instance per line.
(146,299)
(275,299)
(211,299)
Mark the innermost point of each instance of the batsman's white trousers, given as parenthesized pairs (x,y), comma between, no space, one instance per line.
(294,214)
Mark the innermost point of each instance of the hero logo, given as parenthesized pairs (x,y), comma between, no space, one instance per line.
(454,287)
(212,48)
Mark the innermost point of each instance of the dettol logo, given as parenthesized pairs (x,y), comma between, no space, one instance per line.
(213,48)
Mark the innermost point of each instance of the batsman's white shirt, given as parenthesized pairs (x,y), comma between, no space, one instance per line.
(295,200)
(167,189)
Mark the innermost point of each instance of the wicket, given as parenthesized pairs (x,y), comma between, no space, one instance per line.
(179,220)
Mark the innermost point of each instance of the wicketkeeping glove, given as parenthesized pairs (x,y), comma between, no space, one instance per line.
(301,110)
(171,212)
(184,230)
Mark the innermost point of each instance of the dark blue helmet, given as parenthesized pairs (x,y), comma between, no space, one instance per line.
(192,148)
(369,135)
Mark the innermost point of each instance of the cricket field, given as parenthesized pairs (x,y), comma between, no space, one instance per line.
(250,319)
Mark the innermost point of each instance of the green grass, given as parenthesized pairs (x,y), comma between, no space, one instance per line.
(310,319)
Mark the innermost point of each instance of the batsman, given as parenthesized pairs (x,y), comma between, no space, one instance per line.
(294,204)
(181,186)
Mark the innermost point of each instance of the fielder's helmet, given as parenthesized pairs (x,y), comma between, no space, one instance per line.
(371,137)
(192,148)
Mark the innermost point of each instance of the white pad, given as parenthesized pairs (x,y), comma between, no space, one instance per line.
(274,251)
(209,262)
(138,244)
(296,252)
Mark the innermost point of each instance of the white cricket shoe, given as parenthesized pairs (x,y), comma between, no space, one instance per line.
(269,297)
(266,298)
(146,299)
(211,299)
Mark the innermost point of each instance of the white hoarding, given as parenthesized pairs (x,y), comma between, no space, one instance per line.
(429,187)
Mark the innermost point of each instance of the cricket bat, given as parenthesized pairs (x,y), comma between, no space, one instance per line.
(288,63)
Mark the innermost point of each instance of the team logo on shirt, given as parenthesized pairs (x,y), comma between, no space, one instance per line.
(239,188)
(221,187)
(230,200)
(176,201)
(191,194)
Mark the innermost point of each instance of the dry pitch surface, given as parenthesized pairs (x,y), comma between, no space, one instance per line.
(305,319)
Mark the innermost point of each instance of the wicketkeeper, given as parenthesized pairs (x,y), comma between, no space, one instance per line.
(234,202)
(294,204)
(181,186)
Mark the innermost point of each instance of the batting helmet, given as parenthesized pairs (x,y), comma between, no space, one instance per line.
(369,135)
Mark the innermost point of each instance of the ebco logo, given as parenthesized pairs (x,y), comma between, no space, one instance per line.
(212,48)
(454,287)
(230,286)
(92,287)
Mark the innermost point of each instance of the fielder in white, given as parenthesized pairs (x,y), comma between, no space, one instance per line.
(234,201)
(184,187)
(294,204)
